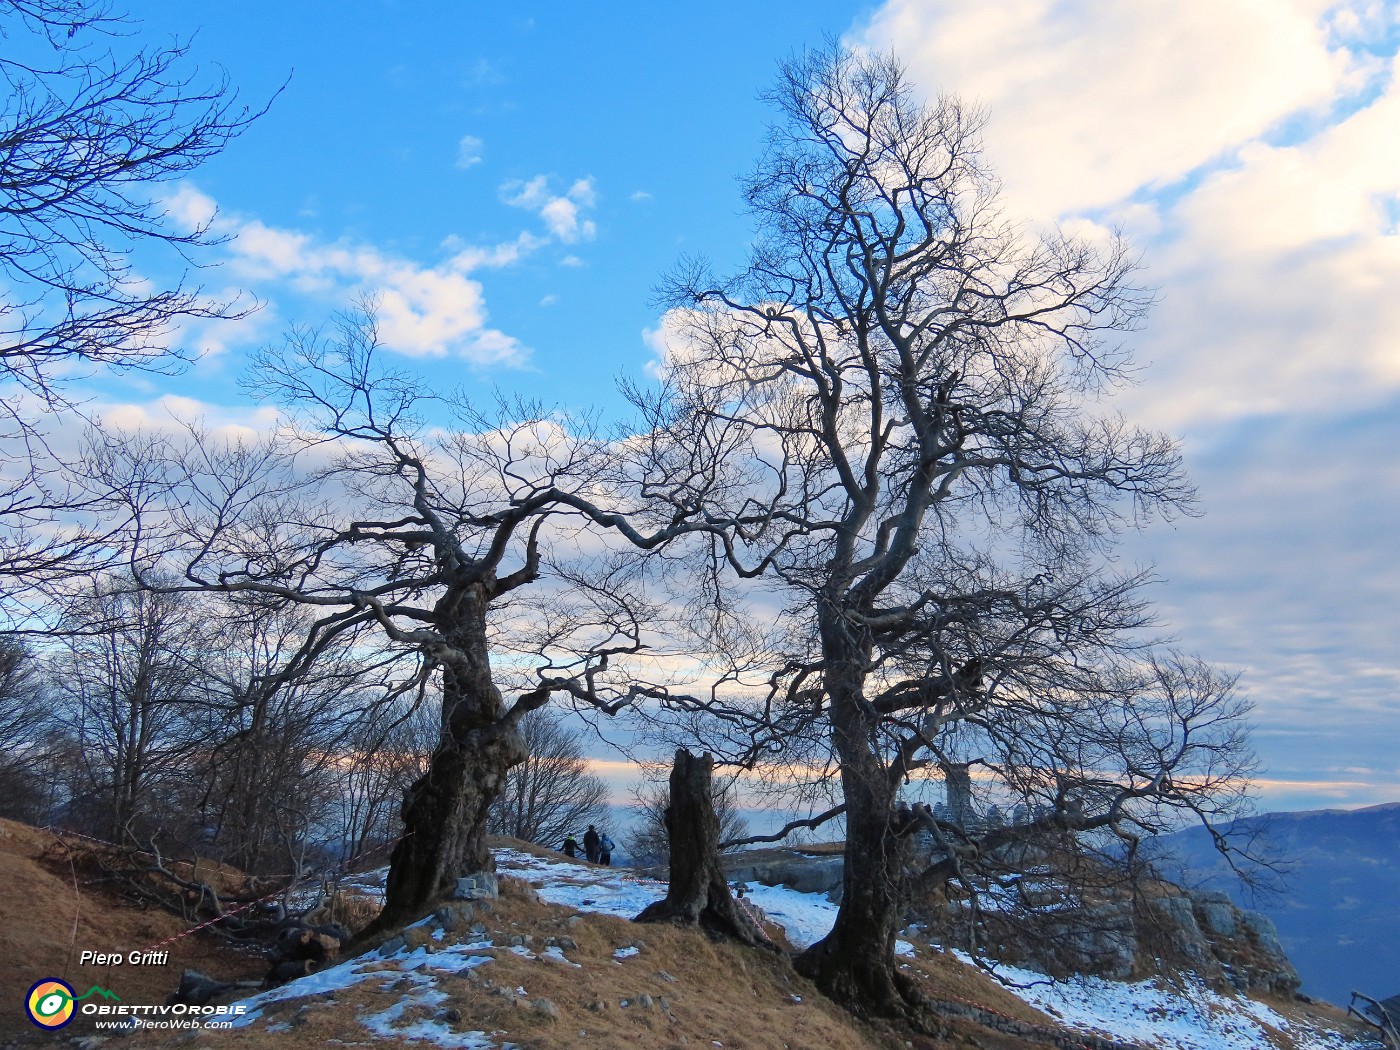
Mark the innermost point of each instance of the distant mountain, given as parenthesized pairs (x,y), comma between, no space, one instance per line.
(1337,904)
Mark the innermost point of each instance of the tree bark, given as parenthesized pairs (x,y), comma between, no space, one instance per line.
(445,811)
(698,892)
(854,964)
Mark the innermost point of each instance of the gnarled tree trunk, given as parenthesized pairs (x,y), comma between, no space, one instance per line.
(698,893)
(445,811)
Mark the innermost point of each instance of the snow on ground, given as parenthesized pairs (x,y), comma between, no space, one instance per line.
(1143,1012)
(805,917)
(1193,1017)
(410,973)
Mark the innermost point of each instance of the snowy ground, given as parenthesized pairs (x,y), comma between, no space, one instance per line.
(1143,1013)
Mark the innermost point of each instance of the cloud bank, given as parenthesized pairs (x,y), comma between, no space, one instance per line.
(1249,149)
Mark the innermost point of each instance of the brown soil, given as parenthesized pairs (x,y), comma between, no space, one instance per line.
(46,922)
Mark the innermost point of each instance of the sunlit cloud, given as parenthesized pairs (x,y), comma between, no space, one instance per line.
(424,311)
(563,214)
(1248,150)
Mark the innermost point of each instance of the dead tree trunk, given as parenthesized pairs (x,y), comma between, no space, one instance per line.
(698,894)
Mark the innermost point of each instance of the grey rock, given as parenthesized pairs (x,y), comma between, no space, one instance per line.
(804,874)
(480,885)
(1215,913)
(454,916)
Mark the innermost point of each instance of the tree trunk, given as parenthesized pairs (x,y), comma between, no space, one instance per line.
(445,811)
(855,963)
(698,892)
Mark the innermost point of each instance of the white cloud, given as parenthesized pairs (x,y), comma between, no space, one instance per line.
(424,311)
(562,213)
(1248,148)
(468,151)
(1091,101)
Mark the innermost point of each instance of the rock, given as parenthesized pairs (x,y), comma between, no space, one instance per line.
(804,874)
(288,970)
(598,1006)
(645,1002)
(480,885)
(1215,913)
(1264,931)
(392,945)
(305,942)
(451,1015)
(665,976)
(545,1008)
(338,930)
(478,930)
(454,916)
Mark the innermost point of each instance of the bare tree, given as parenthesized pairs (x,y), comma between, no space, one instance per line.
(383,758)
(698,891)
(551,792)
(125,681)
(91,128)
(26,728)
(366,515)
(265,783)
(894,413)
(88,139)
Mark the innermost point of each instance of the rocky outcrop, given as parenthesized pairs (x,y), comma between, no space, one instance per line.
(1041,927)
(795,871)
(1221,942)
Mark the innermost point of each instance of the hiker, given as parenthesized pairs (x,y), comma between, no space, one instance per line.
(590,844)
(570,845)
(605,848)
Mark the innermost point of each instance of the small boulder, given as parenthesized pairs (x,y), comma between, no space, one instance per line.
(480,885)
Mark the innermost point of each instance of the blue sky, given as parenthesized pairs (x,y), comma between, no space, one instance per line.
(513,184)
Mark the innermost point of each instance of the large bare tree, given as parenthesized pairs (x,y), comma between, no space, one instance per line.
(895,410)
(372,515)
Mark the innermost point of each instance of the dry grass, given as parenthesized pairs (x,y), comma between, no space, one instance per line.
(699,992)
(38,938)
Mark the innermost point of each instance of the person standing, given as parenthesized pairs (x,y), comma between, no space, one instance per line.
(605,848)
(570,845)
(590,844)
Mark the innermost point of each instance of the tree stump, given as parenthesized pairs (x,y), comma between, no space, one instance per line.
(698,893)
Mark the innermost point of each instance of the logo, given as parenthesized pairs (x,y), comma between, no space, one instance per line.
(50,1001)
